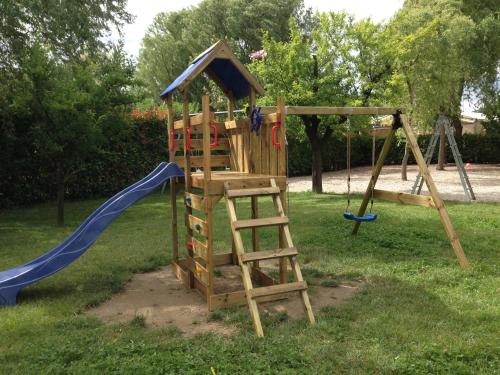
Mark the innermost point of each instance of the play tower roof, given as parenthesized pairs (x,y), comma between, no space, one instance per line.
(224,68)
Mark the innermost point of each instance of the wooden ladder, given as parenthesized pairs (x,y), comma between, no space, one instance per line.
(253,295)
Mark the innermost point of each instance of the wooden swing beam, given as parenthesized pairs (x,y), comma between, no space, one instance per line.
(434,200)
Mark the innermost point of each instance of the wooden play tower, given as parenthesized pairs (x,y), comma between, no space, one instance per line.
(231,158)
(224,158)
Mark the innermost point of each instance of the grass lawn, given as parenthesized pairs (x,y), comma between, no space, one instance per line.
(418,313)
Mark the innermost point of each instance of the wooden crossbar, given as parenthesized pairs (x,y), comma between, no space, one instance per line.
(418,200)
(322,111)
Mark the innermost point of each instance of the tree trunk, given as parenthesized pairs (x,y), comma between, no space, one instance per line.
(317,169)
(457,124)
(442,151)
(404,163)
(60,197)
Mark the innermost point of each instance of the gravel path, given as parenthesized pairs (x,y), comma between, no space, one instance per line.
(485,180)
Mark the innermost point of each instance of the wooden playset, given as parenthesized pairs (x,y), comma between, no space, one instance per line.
(245,157)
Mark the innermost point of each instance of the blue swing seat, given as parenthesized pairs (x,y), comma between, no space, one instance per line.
(366,217)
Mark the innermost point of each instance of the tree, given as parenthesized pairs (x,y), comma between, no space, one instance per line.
(175,38)
(50,100)
(441,48)
(64,132)
(333,61)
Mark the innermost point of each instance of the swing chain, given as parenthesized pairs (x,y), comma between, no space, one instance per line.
(373,166)
(348,208)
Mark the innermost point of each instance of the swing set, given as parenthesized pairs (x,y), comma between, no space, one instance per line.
(371,193)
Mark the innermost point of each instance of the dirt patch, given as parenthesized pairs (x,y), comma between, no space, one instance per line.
(164,301)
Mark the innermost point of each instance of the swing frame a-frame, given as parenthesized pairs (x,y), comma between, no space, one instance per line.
(400,121)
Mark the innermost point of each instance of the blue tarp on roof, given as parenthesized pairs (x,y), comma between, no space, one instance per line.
(225,71)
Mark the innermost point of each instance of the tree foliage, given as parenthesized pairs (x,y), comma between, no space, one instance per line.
(175,38)
(441,48)
(330,60)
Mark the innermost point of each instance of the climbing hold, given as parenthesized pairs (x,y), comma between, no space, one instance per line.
(188,201)
(197,227)
(189,245)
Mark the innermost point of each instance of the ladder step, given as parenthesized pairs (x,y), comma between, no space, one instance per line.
(264,222)
(239,193)
(269,254)
(278,289)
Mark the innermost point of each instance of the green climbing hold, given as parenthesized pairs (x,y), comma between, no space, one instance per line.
(197,227)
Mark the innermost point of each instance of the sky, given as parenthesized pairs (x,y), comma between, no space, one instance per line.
(146,10)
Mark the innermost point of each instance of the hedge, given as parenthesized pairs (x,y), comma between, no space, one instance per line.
(123,162)
(474,148)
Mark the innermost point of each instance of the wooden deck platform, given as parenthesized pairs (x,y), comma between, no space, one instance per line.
(237,180)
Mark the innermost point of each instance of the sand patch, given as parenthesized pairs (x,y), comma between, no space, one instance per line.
(164,301)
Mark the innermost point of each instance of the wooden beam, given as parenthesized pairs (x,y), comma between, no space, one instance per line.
(207,176)
(325,111)
(225,300)
(443,213)
(173,183)
(198,161)
(196,224)
(187,175)
(418,200)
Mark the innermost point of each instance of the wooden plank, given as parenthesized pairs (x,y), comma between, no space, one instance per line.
(173,184)
(253,183)
(278,289)
(269,254)
(224,300)
(193,120)
(197,161)
(223,259)
(252,192)
(181,274)
(255,231)
(195,201)
(187,170)
(310,110)
(418,200)
(198,128)
(205,104)
(443,213)
(200,272)
(245,157)
(195,224)
(199,248)
(282,167)
(258,223)
(271,118)
(197,144)
(236,124)
(261,278)
(265,146)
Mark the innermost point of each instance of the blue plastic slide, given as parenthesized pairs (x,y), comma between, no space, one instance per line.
(13,280)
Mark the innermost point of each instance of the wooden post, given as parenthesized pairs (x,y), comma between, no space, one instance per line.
(173,182)
(376,172)
(443,213)
(282,171)
(207,175)
(187,176)
(230,117)
(254,204)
